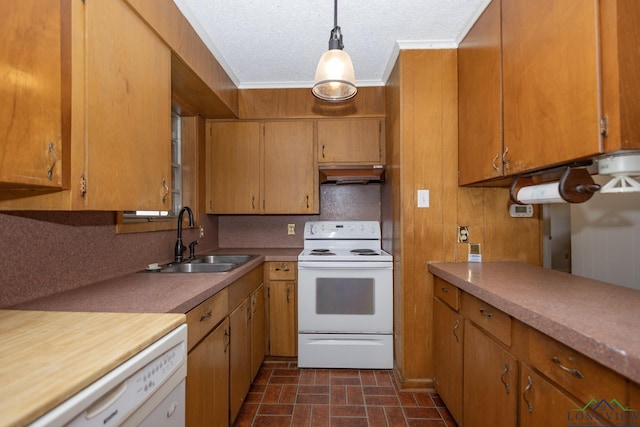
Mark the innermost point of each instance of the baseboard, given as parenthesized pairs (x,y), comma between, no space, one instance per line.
(412,383)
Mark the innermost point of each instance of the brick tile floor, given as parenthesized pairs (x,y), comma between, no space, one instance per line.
(283,395)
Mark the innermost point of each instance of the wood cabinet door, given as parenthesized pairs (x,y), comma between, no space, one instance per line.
(480,99)
(290,180)
(350,141)
(257,330)
(35,92)
(551,85)
(208,380)
(239,356)
(490,381)
(283,329)
(233,168)
(543,404)
(128,111)
(448,339)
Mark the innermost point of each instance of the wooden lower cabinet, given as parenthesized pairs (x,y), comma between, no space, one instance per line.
(490,381)
(247,348)
(633,403)
(544,404)
(282,308)
(448,336)
(258,334)
(208,380)
(240,356)
(283,332)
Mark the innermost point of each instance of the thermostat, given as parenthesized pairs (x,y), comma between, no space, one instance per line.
(521,211)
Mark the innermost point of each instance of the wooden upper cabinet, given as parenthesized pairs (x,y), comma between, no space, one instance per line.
(261,168)
(351,141)
(35,90)
(546,84)
(480,99)
(233,167)
(619,38)
(128,111)
(551,82)
(290,183)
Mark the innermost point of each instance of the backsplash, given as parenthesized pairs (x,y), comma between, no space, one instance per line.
(337,202)
(49,252)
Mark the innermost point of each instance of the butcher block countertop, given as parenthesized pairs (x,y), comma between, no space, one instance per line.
(597,319)
(47,357)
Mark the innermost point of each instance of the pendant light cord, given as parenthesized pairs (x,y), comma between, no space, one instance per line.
(335,13)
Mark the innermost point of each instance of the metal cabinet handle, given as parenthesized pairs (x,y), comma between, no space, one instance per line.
(228,339)
(455,328)
(253,202)
(504,160)
(288,292)
(323,151)
(572,371)
(205,316)
(166,190)
(493,163)
(486,313)
(524,394)
(444,290)
(307,201)
(52,153)
(505,371)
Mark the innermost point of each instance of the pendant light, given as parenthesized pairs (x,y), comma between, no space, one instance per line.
(335,80)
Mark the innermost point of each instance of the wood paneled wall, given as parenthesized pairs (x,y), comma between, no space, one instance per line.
(422,154)
(300,103)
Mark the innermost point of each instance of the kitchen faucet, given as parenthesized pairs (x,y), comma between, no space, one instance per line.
(179,246)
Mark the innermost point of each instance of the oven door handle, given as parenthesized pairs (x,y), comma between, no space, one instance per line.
(324,265)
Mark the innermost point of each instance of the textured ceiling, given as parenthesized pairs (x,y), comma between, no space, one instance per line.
(278,43)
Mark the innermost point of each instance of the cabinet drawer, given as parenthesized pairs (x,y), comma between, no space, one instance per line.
(487,317)
(204,317)
(447,293)
(281,270)
(576,373)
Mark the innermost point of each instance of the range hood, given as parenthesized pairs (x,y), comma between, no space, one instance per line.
(361,174)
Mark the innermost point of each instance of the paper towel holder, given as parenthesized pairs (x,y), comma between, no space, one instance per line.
(575,186)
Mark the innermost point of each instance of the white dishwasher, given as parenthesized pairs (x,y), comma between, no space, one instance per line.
(146,390)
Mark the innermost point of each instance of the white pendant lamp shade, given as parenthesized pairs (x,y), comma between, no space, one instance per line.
(335,80)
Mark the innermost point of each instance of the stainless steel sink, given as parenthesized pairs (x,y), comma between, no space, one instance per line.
(188,267)
(209,264)
(214,259)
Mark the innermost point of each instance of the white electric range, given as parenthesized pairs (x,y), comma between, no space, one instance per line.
(345,297)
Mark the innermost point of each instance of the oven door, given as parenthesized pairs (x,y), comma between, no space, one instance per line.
(339,297)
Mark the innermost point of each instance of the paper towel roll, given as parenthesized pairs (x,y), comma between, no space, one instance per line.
(543,193)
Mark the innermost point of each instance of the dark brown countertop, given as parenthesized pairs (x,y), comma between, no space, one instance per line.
(145,292)
(597,319)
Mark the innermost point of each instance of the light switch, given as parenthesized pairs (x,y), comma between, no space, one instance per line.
(423,198)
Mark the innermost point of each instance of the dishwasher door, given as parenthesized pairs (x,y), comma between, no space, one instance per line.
(148,390)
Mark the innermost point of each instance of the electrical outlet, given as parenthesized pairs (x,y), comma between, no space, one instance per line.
(463,233)
(201,232)
(291,229)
